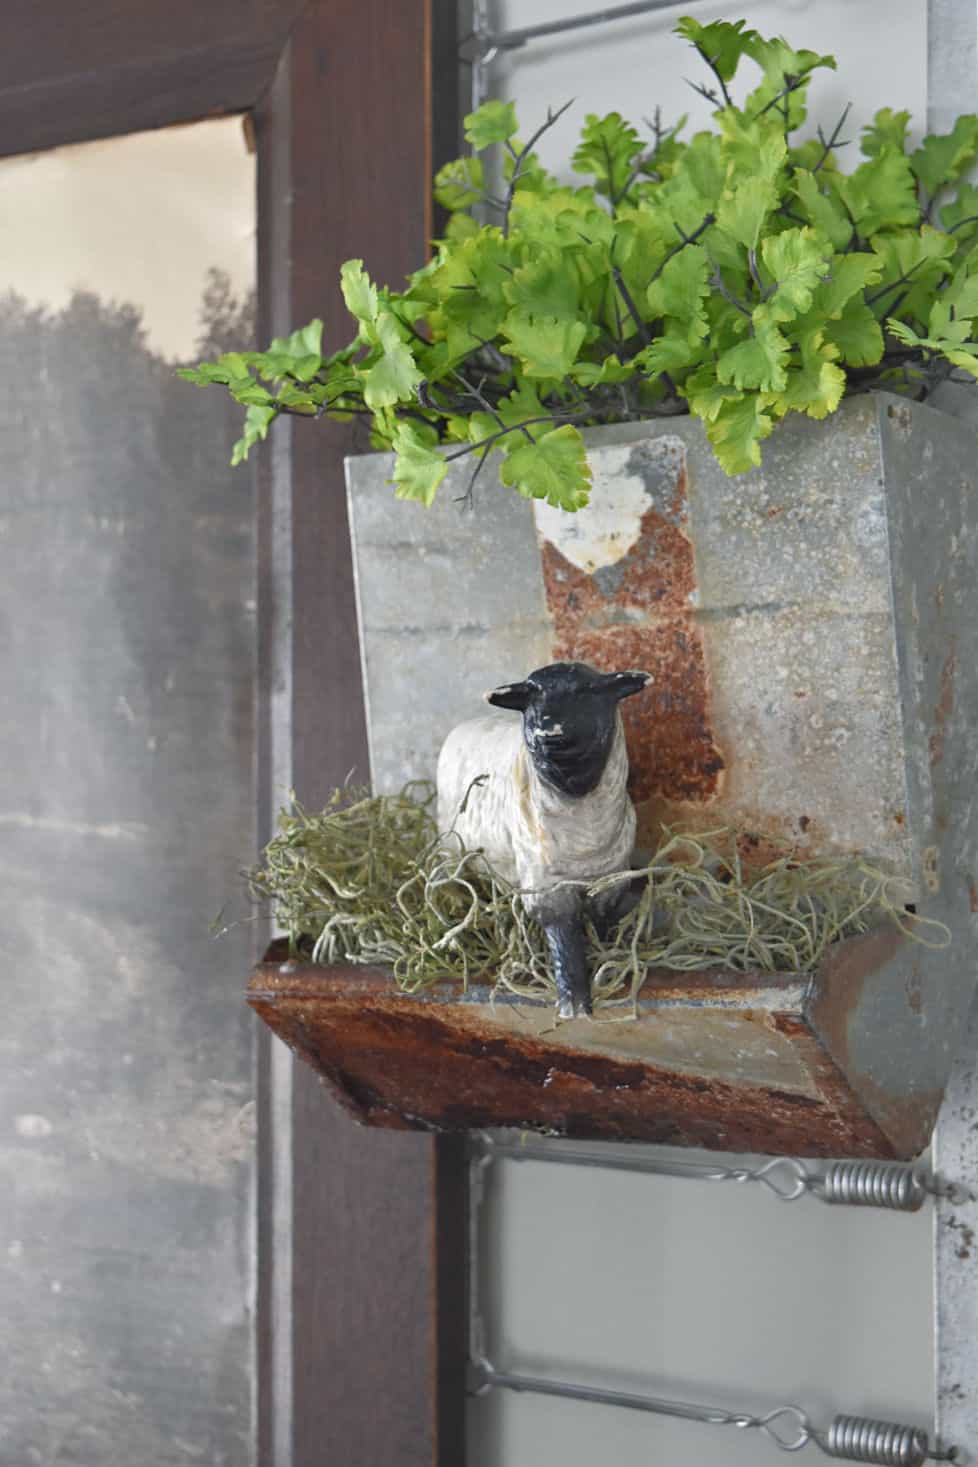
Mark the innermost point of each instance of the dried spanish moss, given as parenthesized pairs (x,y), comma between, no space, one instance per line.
(369,880)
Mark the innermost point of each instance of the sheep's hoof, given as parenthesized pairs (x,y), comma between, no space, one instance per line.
(573,1008)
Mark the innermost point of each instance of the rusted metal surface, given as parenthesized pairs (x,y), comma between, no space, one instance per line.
(721,1061)
(895,1028)
(812,628)
(762,606)
(637,610)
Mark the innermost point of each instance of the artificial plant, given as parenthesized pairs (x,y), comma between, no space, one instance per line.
(739,276)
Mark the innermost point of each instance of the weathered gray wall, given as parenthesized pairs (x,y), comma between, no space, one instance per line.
(126,809)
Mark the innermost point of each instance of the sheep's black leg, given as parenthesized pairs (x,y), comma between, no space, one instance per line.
(569,960)
(608,909)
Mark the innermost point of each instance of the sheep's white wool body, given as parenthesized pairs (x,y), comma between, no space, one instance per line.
(533,835)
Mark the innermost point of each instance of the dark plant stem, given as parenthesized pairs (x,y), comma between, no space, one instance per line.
(719,285)
(523,154)
(685,239)
(711,62)
(884,290)
(833,141)
(780,99)
(630,306)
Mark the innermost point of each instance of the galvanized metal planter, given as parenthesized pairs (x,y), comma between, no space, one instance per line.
(812,628)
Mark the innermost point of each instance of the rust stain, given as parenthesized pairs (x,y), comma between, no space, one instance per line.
(778,842)
(945,705)
(972,894)
(637,613)
(445,1065)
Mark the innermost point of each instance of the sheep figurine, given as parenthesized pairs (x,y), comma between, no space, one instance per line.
(547,803)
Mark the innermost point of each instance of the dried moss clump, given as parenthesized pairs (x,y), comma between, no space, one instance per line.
(370,880)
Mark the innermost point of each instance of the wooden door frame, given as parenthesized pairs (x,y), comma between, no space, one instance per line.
(361,1328)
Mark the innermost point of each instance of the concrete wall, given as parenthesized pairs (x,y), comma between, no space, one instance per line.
(694,1290)
(126,810)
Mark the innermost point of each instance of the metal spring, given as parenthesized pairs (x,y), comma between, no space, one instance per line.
(857,1439)
(872,1184)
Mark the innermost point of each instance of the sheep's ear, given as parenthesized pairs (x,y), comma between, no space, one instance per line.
(510,695)
(624,684)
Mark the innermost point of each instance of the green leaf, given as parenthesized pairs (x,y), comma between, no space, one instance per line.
(521,405)
(459,227)
(722,42)
(304,343)
(256,424)
(358,292)
(760,362)
(493,122)
(460,184)
(705,394)
(466,291)
(736,432)
(856,335)
(671,352)
(786,76)
(394,377)
(962,292)
(608,149)
(848,275)
(944,325)
(880,193)
(888,129)
(418,468)
(943,157)
(914,263)
(205,374)
(545,286)
(752,147)
(545,345)
(554,468)
(796,260)
(959,352)
(681,291)
(744,213)
(816,386)
(602,374)
(962,212)
(823,208)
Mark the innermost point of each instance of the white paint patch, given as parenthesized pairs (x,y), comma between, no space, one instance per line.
(33,1128)
(605,530)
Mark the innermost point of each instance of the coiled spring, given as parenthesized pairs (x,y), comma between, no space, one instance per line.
(855,1439)
(890,1184)
(848,1438)
(872,1184)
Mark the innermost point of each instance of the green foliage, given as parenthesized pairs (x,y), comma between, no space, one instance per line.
(739,276)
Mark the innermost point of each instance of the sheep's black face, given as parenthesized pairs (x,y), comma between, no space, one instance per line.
(570,712)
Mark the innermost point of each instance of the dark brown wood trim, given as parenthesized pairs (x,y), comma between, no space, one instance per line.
(70,73)
(378,1312)
(344,103)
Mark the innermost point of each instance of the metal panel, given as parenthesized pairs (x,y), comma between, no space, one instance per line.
(811,627)
(720,1060)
